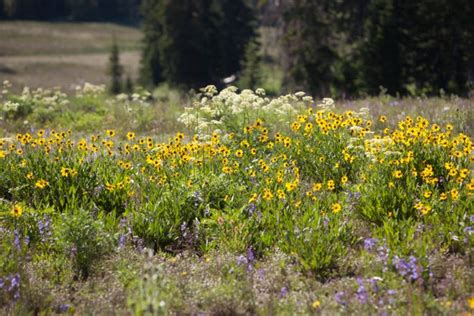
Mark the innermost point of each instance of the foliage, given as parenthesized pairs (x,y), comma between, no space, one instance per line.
(192,43)
(288,199)
(250,76)
(379,43)
(84,238)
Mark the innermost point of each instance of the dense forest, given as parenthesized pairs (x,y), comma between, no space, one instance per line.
(126,11)
(341,48)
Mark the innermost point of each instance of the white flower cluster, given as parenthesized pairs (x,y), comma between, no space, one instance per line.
(45,97)
(6,86)
(35,101)
(90,89)
(10,106)
(230,110)
(327,104)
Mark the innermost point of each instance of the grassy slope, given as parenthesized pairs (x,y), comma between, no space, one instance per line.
(39,54)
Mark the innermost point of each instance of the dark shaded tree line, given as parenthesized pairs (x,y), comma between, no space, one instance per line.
(192,43)
(73,10)
(348,47)
(329,47)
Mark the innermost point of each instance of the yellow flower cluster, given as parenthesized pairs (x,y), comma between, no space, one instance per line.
(270,159)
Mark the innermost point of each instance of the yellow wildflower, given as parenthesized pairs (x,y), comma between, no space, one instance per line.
(397,174)
(336,207)
(331,185)
(41,184)
(316,304)
(130,135)
(16,210)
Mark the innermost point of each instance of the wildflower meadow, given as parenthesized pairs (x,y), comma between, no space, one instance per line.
(233,202)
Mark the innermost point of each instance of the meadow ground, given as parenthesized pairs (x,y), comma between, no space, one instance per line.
(262,206)
(39,54)
(223,202)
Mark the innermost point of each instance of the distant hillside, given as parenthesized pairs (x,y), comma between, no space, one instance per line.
(63,54)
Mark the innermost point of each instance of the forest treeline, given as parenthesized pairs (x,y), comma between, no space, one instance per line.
(126,11)
(327,47)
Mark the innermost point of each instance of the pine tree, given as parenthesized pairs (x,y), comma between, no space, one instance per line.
(424,44)
(251,71)
(192,43)
(128,84)
(115,70)
(309,40)
(150,66)
(381,52)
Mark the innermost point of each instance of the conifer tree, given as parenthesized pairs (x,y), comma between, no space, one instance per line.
(128,84)
(251,71)
(150,66)
(309,41)
(192,43)
(115,69)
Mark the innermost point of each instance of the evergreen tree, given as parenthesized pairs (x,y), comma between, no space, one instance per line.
(128,84)
(193,43)
(310,34)
(115,70)
(381,51)
(150,67)
(250,76)
(426,44)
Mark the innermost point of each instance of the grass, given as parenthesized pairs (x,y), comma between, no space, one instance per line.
(40,54)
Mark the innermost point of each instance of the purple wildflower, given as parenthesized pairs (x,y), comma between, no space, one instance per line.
(17,240)
(14,282)
(391,293)
(242,260)
(415,268)
(123,222)
(139,243)
(373,282)
(121,241)
(184,229)
(409,269)
(326,222)
(73,251)
(361,293)
(44,228)
(64,308)
(248,260)
(250,254)
(403,268)
(370,243)
(340,298)
(283,291)
(41,227)
(251,208)
(382,254)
